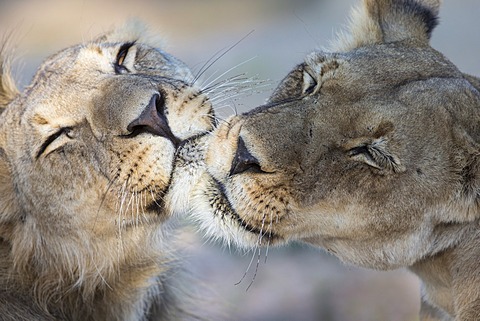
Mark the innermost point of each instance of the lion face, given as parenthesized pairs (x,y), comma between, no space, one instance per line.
(366,152)
(87,153)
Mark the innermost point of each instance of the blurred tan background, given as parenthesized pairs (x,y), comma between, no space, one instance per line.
(297,282)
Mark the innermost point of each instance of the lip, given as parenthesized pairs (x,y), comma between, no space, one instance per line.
(233,214)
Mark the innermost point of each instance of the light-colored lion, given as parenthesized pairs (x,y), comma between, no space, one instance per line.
(86,154)
(370,151)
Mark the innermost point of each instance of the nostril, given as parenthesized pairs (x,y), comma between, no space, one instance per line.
(153,120)
(244,161)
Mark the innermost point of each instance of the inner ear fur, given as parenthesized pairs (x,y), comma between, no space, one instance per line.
(385,21)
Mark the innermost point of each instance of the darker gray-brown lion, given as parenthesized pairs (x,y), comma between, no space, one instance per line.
(370,150)
(86,154)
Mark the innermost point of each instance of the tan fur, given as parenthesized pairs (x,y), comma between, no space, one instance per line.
(83,231)
(8,90)
(370,152)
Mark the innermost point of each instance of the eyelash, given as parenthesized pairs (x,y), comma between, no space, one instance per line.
(63,131)
(121,55)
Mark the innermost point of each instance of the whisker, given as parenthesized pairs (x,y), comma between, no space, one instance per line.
(204,66)
(249,265)
(219,100)
(258,246)
(142,197)
(122,198)
(100,275)
(234,92)
(137,202)
(154,197)
(211,61)
(207,79)
(222,89)
(270,228)
(104,196)
(259,243)
(256,269)
(230,83)
(228,70)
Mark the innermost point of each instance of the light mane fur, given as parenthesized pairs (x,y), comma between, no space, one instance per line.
(84,234)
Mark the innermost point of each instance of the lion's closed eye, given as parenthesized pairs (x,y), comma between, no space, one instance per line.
(119,64)
(55,141)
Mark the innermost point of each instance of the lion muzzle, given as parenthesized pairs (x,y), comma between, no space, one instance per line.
(153,120)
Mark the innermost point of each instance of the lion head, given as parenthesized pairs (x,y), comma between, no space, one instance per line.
(86,155)
(369,151)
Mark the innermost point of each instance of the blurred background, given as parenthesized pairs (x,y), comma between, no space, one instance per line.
(296,282)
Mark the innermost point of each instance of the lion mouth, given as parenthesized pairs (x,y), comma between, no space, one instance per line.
(136,210)
(151,216)
(223,209)
(157,206)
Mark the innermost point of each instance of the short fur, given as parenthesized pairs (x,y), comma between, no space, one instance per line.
(83,230)
(370,151)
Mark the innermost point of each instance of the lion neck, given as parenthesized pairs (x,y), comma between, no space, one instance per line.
(130,291)
(444,271)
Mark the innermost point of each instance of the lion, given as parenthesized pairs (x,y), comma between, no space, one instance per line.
(370,150)
(86,155)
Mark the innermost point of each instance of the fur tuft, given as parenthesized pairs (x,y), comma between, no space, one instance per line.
(384,21)
(134,30)
(8,89)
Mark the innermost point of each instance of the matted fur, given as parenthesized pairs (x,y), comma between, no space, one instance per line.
(370,152)
(83,230)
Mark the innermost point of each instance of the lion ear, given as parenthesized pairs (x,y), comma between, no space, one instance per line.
(8,89)
(385,21)
(133,30)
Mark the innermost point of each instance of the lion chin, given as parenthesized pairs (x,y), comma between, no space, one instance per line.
(86,155)
(369,150)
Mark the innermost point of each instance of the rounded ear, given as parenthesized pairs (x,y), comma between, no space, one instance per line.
(132,30)
(8,89)
(384,21)
(473,80)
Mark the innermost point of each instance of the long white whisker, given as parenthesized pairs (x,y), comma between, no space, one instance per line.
(259,245)
(238,90)
(232,83)
(227,71)
(270,228)
(210,64)
(202,85)
(249,265)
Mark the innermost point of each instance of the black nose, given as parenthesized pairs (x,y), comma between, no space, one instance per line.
(153,120)
(244,161)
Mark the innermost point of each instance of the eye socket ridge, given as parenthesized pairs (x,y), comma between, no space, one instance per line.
(120,59)
(62,131)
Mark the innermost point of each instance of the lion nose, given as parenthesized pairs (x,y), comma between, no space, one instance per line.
(153,120)
(244,161)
